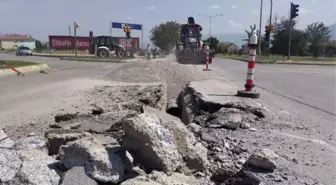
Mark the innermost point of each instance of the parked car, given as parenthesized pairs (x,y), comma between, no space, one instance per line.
(22,50)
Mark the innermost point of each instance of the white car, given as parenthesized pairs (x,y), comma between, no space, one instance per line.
(22,50)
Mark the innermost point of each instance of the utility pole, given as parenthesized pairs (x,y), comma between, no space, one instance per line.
(75,41)
(260,22)
(110,28)
(210,17)
(269,37)
(69,27)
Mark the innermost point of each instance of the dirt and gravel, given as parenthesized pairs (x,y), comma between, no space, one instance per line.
(116,131)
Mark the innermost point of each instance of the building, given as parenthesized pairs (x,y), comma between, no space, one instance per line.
(12,41)
(329,48)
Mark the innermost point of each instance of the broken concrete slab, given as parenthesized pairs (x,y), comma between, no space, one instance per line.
(140,180)
(36,169)
(131,96)
(182,143)
(101,164)
(230,118)
(10,164)
(96,124)
(160,178)
(177,178)
(210,96)
(59,137)
(151,144)
(77,175)
(5,141)
(263,158)
(29,143)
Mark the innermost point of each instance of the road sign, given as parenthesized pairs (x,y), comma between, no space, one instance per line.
(122,25)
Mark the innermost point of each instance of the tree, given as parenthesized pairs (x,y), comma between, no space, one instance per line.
(213,42)
(38,45)
(317,34)
(222,48)
(281,37)
(249,33)
(165,35)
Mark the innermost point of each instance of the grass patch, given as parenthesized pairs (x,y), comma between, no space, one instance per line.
(17,63)
(277,58)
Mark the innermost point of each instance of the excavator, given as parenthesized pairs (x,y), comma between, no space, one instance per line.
(190,48)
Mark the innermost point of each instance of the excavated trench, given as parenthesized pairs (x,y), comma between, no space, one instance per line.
(201,112)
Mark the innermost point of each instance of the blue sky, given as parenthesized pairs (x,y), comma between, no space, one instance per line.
(43,17)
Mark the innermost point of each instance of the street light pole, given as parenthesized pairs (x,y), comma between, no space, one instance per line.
(75,39)
(269,37)
(210,17)
(260,22)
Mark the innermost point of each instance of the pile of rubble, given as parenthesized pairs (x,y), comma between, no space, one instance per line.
(130,139)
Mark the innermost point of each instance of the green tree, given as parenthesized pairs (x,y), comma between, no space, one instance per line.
(38,45)
(213,42)
(281,37)
(317,34)
(222,47)
(165,35)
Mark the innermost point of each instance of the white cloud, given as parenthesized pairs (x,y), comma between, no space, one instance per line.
(214,7)
(314,1)
(234,24)
(234,6)
(151,7)
(304,11)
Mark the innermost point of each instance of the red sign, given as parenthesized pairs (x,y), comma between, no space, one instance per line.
(66,42)
(122,41)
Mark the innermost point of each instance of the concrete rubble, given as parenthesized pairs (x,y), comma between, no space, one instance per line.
(134,136)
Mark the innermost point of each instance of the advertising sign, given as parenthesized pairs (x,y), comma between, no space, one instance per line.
(66,42)
(120,25)
(122,41)
(60,42)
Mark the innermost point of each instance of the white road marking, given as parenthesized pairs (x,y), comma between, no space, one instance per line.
(320,142)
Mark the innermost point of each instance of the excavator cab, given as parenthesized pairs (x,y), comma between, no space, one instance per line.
(105,46)
(190,46)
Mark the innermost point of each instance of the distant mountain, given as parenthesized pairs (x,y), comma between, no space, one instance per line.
(236,38)
(332,29)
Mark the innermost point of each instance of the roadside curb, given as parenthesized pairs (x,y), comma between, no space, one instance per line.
(102,60)
(92,60)
(60,55)
(290,63)
(25,70)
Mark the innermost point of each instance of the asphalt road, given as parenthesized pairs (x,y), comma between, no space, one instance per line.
(302,99)
(36,95)
(311,85)
(302,96)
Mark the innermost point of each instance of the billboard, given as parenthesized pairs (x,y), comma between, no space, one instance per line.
(61,42)
(122,41)
(66,42)
(120,25)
